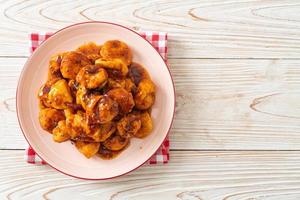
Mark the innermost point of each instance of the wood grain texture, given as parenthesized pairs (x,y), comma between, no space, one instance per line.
(197,29)
(221,104)
(189,176)
(237,104)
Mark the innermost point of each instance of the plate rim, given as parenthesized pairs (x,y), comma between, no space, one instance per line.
(22,74)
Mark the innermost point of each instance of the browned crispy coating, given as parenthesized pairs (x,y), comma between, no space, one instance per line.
(92,77)
(97,98)
(115,142)
(116,49)
(129,125)
(145,95)
(90,50)
(50,117)
(71,63)
(123,98)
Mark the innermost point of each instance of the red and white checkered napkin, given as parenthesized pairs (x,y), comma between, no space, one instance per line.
(159,42)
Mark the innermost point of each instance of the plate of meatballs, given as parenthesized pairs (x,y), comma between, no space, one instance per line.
(95,100)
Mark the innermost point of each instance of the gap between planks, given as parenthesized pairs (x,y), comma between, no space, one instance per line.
(208,150)
(196,58)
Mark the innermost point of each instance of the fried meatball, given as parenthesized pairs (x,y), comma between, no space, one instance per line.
(103,131)
(90,50)
(50,117)
(86,99)
(145,95)
(61,132)
(78,124)
(116,68)
(127,84)
(92,77)
(129,125)
(54,67)
(123,98)
(71,63)
(146,125)
(88,149)
(43,96)
(104,112)
(115,142)
(60,94)
(116,49)
(137,73)
(107,154)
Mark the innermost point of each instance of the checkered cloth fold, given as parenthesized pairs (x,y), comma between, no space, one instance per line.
(159,42)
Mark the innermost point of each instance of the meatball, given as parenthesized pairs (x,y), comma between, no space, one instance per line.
(145,95)
(61,133)
(107,154)
(137,73)
(50,117)
(116,49)
(71,63)
(90,50)
(92,77)
(60,94)
(78,124)
(123,98)
(104,112)
(115,142)
(86,99)
(54,67)
(103,131)
(88,149)
(129,125)
(127,84)
(146,125)
(43,96)
(116,68)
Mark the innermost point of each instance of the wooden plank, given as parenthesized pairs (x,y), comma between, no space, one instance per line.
(237,104)
(221,104)
(189,175)
(197,29)
(10,133)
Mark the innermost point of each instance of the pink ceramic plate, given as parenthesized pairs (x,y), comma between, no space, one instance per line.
(63,156)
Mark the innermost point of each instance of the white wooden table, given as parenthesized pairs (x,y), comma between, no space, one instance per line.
(236,66)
